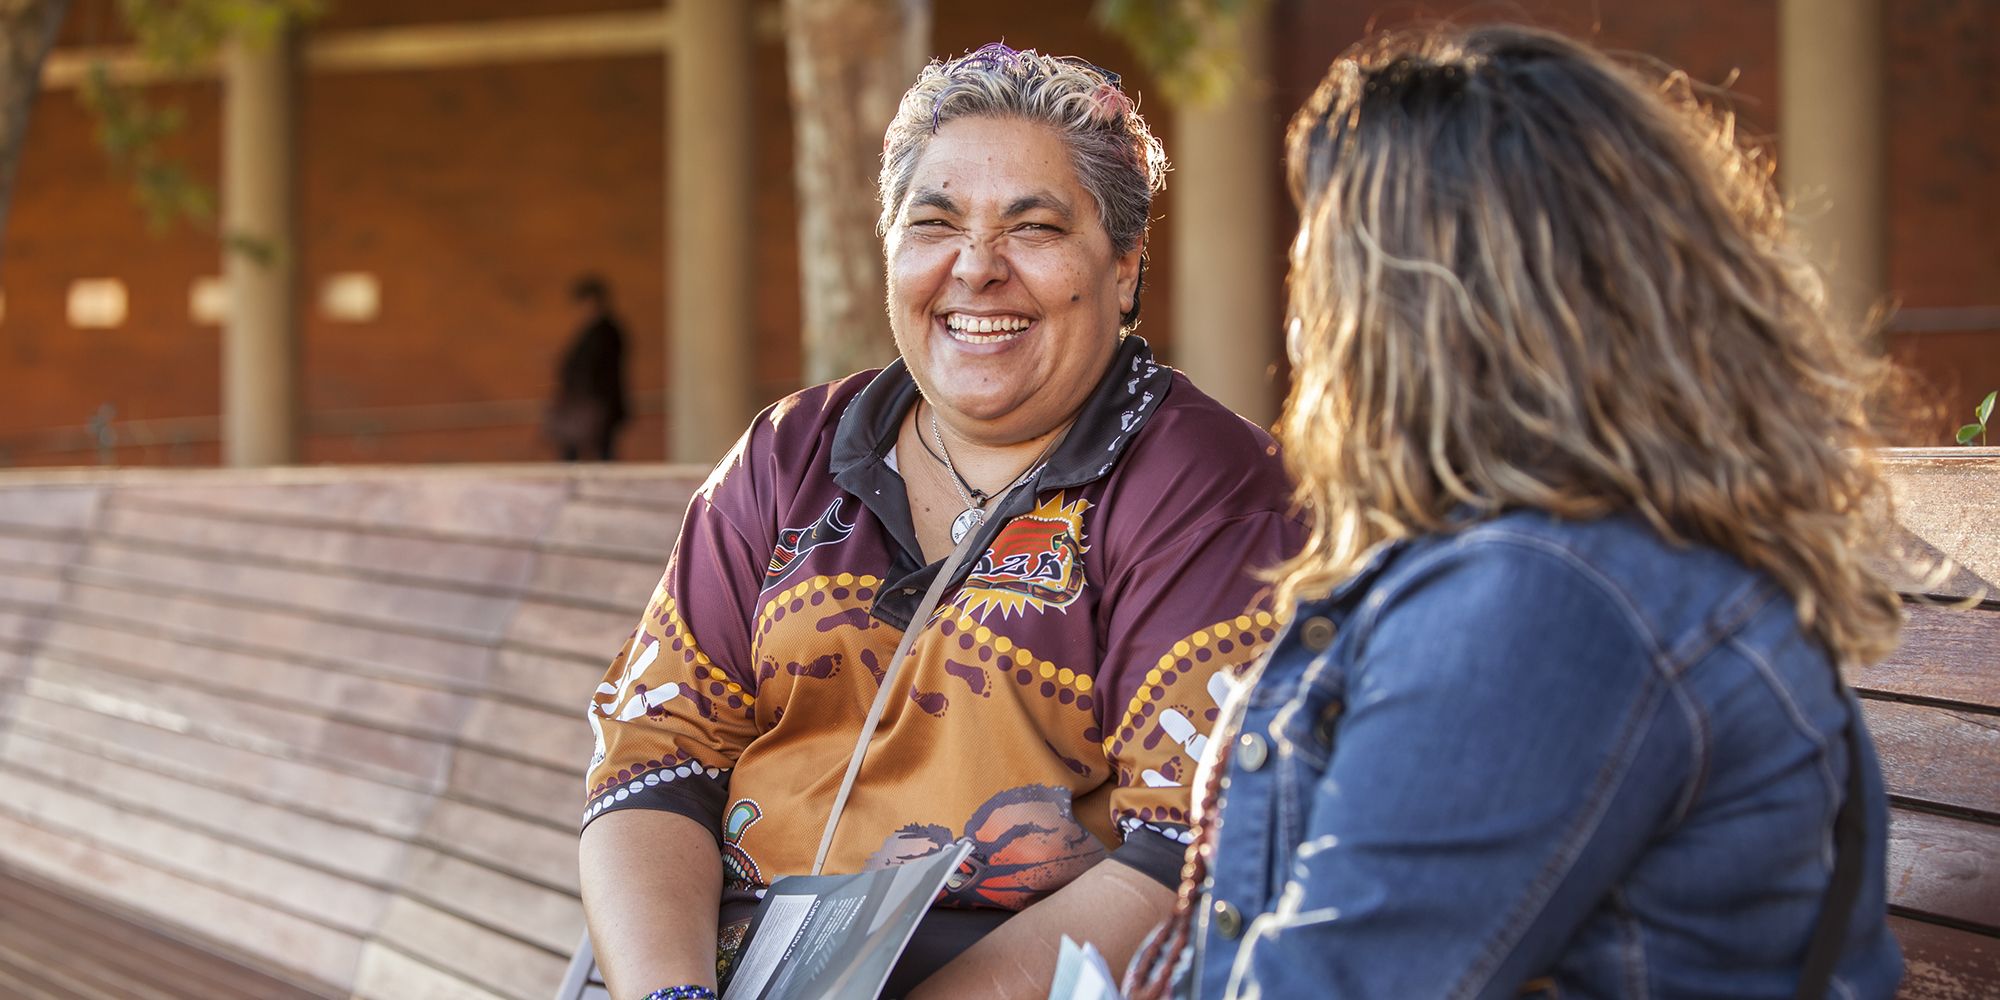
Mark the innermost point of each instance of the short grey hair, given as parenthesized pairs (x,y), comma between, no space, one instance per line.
(1116,156)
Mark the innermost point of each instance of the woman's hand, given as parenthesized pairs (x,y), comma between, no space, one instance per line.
(1112,906)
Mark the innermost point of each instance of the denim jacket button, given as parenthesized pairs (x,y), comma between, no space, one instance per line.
(1228,921)
(1323,729)
(1316,633)
(1252,751)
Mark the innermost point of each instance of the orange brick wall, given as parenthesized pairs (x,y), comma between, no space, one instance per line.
(476,193)
(1944,204)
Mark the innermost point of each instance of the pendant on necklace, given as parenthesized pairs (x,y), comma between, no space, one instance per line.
(965,522)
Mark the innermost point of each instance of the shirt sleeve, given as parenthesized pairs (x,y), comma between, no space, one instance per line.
(677,705)
(1181,621)
(1505,752)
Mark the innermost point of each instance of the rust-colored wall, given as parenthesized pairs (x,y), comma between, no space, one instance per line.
(1944,204)
(1943,116)
(476,193)
(70,220)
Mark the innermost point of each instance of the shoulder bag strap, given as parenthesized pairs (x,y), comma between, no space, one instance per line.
(917,623)
(1850,830)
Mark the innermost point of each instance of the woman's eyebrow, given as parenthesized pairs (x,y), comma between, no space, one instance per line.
(1039,200)
(933,198)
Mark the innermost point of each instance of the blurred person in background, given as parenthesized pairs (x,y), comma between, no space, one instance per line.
(589,405)
(1111,518)
(1559,710)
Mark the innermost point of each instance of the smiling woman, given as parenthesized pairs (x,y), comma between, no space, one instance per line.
(1088,522)
(1004,289)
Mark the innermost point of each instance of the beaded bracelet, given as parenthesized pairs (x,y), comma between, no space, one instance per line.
(688,992)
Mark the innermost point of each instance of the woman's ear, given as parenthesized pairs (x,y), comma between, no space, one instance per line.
(1128,276)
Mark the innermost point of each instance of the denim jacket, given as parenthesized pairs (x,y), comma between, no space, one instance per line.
(1539,758)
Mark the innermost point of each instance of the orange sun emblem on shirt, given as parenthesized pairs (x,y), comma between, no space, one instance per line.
(1035,562)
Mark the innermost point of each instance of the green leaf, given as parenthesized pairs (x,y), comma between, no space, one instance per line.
(1968,432)
(1189,46)
(1985,407)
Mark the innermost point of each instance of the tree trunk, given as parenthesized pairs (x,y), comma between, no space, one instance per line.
(27,32)
(849,63)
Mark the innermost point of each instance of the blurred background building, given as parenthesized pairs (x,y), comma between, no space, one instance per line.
(457,163)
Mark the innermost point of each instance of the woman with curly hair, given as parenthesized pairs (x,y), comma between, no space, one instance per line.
(1559,709)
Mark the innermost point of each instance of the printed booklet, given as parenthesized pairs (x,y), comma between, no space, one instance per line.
(837,937)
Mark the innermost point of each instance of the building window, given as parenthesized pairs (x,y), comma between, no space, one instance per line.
(97,303)
(351,297)
(208,301)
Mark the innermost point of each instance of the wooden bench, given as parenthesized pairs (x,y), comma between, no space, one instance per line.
(329,722)
(1934,710)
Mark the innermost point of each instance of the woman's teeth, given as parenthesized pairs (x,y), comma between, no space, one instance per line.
(985,329)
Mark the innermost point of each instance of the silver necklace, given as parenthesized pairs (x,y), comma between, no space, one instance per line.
(975,501)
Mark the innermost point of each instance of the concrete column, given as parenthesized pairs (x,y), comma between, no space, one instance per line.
(1832,157)
(1228,259)
(260,411)
(710,306)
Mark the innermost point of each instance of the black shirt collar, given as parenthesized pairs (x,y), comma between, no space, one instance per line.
(1129,393)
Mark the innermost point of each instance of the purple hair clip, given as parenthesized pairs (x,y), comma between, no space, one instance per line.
(992,55)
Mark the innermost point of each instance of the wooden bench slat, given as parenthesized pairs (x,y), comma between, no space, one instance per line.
(554,795)
(311,951)
(467,507)
(529,911)
(18,624)
(669,491)
(29,585)
(554,739)
(282,731)
(337,549)
(359,718)
(617,529)
(286,833)
(614,583)
(274,781)
(1949,757)
(396,704)
(19,982)
(1946,504)
(388,974)
(553,626)
(311,895)
(452,612)
(42,549)
(56,931)
(558,683)
(43,508)
(391,653)
(1945,963)
(43,977)
(1945,866)
(531,851)
(1948,655)
(451,943)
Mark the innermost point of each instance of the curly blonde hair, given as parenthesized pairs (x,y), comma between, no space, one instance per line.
(1527,276)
